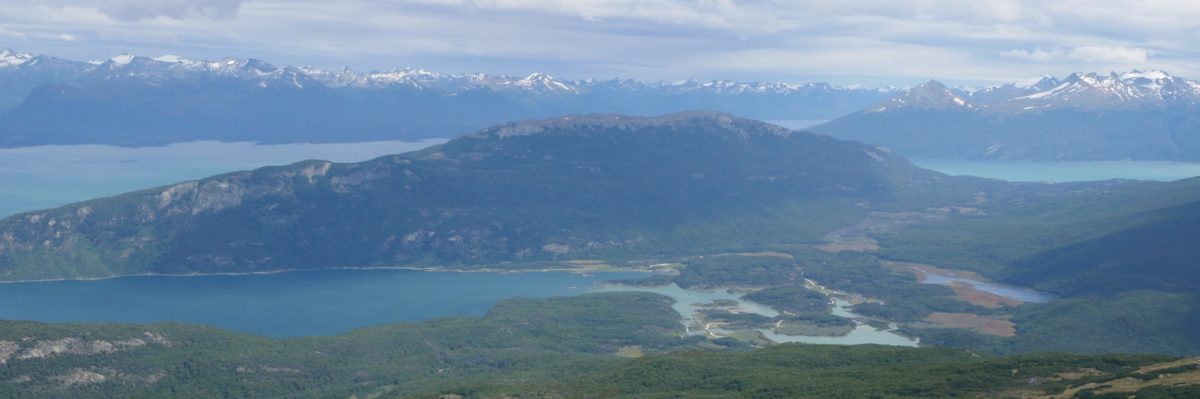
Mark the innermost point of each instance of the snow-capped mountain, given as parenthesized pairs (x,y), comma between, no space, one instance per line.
(1000,93)
(21,72)
(1129,90)
(265,74)
(931,95)
(134,100)
(1084,91)
(11,59)
(543,83)
(1144,115)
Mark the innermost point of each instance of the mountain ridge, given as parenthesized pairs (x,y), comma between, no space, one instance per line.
(580,186)
(1136,115)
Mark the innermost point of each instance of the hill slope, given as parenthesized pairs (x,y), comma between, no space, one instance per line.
(599,185)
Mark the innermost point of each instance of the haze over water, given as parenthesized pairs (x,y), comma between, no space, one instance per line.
(1061,172)
(33,178)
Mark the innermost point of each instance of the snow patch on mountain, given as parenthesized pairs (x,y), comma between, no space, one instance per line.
(931,95)
(10,59)
(123,59)
(1114,91)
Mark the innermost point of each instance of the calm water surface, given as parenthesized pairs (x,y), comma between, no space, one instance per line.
(42,177)
(286,304)
(686,301)
(1060,172)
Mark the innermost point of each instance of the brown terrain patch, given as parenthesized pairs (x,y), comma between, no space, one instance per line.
(1170,365)
(971,295)
(1075,375)
(630,352)
(1129,385)
(990,325)
(962,291)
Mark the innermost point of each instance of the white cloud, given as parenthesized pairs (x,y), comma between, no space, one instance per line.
(1092,54)
(6,33)
(133,10)
(1120,55)
(791,40)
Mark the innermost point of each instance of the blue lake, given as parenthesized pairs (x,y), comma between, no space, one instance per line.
(287,304)
(1059,172)
(42,177)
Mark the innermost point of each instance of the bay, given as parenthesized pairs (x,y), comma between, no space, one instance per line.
(304,303)
(33,178)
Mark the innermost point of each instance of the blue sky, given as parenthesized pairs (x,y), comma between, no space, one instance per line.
(867,42)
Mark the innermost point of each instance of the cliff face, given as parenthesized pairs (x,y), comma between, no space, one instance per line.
(569,187)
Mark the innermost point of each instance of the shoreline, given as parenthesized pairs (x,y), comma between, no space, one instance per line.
(282,271)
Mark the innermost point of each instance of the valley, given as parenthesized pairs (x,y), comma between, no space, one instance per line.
(843,245)
(531,199)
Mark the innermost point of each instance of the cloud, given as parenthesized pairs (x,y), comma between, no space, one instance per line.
(1093,54)
(10,34)
(135,10)
(1120,55)
(893,41)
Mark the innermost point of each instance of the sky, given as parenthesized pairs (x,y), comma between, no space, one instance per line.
(869,42)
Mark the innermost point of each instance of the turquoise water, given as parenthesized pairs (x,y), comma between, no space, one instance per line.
(1059,172)
(279,305)
(286,304)
(689,302)
(42,177)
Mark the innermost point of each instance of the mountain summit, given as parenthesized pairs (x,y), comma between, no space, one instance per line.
(931,95)
(1142,115)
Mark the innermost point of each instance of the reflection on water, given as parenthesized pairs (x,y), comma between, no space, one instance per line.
(42,177)
(687,301)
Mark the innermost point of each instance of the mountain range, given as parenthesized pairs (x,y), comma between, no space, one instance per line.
(132,100)
(135,101)
(1138,115)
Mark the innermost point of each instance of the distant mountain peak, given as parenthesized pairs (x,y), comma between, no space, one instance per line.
(588,124)
(171,59)
(1124,90)
(931,95)
(1040,82)
(122,59)
(539,81)
(10,58)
